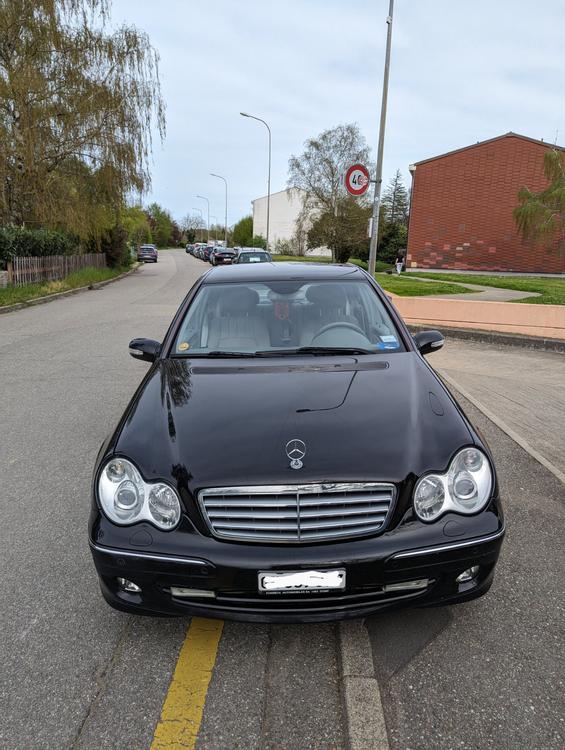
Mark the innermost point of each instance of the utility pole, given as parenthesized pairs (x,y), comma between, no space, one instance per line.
(379,173)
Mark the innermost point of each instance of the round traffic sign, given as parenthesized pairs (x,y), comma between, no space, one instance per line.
(357,179)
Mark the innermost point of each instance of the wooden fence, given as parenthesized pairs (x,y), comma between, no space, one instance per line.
(51,267)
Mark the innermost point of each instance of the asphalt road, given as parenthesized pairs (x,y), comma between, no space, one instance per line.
(76,674)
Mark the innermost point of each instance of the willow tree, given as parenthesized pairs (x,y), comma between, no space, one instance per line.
(541,216)
(78,104)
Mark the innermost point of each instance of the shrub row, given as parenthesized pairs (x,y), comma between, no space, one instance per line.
(15,241)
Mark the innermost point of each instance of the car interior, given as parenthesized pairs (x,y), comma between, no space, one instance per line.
(277,315)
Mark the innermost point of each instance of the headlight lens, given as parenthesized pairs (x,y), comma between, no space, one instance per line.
(465,488)
(126,498)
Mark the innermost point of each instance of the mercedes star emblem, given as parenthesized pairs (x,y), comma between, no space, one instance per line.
(296,450)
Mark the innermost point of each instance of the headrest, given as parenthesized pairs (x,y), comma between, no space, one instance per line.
(326,295)
(238,300)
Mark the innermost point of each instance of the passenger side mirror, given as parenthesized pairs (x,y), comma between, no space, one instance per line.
(145,349)
(428,341)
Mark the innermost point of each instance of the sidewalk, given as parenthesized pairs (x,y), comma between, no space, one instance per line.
(522,389)
(480,292)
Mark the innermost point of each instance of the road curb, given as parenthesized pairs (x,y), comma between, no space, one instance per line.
(492,337)
(68,293)
(365,727)
(504,427)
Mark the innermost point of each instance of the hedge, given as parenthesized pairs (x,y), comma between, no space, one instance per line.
(15,241)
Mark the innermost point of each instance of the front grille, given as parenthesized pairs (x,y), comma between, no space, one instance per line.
(297,513)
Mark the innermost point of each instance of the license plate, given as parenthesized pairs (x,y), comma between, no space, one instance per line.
(302,580)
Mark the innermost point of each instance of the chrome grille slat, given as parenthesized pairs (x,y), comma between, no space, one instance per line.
(297,513)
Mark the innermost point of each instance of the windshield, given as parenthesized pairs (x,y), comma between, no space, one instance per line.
(253,257)
(277,317)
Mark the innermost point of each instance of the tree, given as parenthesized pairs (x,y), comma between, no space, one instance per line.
(191,227)
(162,225)
(541,216)
(319,173)
(78,103)
(136,223)
(243,232)
(345,233)
(395,201)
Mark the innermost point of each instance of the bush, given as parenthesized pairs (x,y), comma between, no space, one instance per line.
(115,244)
(19,242)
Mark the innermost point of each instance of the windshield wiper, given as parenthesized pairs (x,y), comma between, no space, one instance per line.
(315,350)
(217,353)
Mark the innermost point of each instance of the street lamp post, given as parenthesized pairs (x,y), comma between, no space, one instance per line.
(252,117)
(201,219)
(216,230)
(379,172)
(203,197)
(219,176)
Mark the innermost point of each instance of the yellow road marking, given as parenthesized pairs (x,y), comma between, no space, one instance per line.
(184,705)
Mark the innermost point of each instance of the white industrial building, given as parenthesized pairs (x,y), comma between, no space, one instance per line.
(285,209)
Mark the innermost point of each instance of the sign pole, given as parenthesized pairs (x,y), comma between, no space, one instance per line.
(379,173)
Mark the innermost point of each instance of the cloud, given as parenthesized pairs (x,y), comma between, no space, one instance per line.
(461,72)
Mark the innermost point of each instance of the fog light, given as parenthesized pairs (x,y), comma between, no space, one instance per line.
(468,575)
(421,583)
(129,586)
(184,592)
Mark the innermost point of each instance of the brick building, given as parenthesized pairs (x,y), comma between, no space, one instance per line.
(462,203)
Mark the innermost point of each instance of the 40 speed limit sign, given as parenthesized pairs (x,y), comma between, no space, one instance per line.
(357,179)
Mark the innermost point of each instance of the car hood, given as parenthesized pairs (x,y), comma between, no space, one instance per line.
(222,423)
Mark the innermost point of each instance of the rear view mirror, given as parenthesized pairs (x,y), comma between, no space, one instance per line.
(145,349)
(428,341)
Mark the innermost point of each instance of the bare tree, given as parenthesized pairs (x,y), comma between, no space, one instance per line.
(319,173)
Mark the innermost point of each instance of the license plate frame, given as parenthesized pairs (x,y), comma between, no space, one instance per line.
(298,581)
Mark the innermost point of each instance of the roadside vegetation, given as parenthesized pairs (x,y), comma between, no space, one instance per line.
(80,107)
(403,285)
(552,291)
(85,277)
(329,215)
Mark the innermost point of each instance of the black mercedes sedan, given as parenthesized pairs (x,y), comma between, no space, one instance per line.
(291,456)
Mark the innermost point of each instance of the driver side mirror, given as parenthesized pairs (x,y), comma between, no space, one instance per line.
(428,341)
(145,349)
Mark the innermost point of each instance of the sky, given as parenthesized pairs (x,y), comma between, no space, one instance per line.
(461,71)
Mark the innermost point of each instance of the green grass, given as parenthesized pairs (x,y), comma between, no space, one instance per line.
(552,290)
(401,285)
(14,294)
(404,286)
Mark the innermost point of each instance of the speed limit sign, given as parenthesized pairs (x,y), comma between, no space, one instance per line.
(357,179)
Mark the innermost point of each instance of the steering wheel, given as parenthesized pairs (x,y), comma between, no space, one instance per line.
(338,324)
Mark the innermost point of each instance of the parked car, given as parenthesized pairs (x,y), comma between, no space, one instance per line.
(206,252)
(350,480)
(147,253)
(253,256)
(189,249)
(222,256)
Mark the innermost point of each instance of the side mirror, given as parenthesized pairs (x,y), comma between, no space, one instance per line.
(145,349)
(428,341)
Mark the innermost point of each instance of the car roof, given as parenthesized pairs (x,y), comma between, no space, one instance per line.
(282,271)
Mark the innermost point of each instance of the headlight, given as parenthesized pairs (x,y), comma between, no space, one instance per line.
(465,488)
(126,498)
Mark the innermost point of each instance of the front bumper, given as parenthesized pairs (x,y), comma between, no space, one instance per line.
(228,573)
